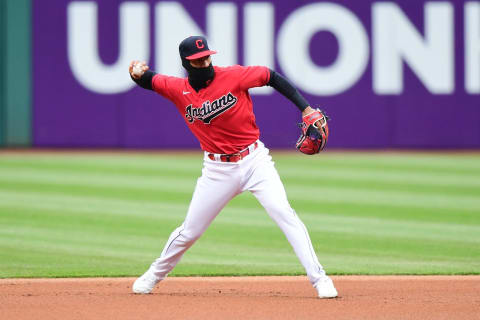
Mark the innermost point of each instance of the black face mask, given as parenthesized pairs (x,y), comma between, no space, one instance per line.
(198,78)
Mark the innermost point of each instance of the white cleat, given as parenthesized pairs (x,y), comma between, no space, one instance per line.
(325,288)
(145,283)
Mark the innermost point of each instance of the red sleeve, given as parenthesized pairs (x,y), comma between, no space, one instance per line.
(163,85)
(254,76)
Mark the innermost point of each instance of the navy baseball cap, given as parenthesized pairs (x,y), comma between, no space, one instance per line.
(194,47)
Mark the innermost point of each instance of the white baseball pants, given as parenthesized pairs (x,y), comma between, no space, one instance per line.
(219,183)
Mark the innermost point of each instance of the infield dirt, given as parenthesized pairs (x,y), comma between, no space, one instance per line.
(360,297)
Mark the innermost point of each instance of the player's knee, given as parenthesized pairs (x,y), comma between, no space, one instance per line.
(281,213)
(276,208)
(189,237)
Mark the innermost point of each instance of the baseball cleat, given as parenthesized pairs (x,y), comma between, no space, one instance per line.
(145,283)
(325,288)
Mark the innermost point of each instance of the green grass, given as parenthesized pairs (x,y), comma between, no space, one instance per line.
(109,214)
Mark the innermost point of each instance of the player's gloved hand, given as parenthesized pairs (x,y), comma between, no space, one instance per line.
(314,134)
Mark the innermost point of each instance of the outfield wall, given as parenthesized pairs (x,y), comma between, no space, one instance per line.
(402,74)
(15,73)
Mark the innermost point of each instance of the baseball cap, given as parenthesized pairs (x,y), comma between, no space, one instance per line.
(194,47)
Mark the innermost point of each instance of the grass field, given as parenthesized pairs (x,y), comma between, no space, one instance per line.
(109,214)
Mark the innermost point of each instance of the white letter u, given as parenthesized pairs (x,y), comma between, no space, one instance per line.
(82,33)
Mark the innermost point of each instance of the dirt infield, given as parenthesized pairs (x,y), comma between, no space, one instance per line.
(360,297)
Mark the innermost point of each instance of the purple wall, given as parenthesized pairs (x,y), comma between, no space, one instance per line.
(424,114)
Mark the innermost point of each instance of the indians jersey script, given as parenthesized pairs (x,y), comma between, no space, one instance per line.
(220,115)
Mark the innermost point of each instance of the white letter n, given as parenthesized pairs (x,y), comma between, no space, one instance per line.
(395,39)
(173,23)
(472,47)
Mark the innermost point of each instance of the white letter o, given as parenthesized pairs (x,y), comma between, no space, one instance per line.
(293,48)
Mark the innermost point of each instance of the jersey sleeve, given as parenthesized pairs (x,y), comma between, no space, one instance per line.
(253,76)
(164,85)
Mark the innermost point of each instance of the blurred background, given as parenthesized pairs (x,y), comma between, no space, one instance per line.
(397,74)
(397,190)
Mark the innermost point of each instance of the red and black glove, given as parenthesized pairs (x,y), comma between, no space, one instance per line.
(314,134)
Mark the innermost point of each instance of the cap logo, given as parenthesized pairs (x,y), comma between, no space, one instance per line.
(200,44)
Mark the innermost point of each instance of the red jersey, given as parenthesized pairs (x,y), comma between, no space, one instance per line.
(220,115)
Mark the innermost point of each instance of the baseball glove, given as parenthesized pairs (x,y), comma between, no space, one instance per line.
(314,134)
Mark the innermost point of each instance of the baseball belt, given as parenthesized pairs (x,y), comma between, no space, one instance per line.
(234,157)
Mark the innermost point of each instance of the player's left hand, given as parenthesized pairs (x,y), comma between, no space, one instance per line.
(315,132)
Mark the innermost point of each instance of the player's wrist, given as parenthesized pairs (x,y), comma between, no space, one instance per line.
(308,110)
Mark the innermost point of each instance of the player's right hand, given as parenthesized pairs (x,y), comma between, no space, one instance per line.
(137,68)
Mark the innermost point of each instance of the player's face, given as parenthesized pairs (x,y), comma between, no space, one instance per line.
(202,62)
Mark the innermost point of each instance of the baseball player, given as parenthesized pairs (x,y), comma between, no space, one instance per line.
(217,108)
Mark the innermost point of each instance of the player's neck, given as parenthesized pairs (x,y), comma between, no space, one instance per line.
(198,85)
(200,78)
